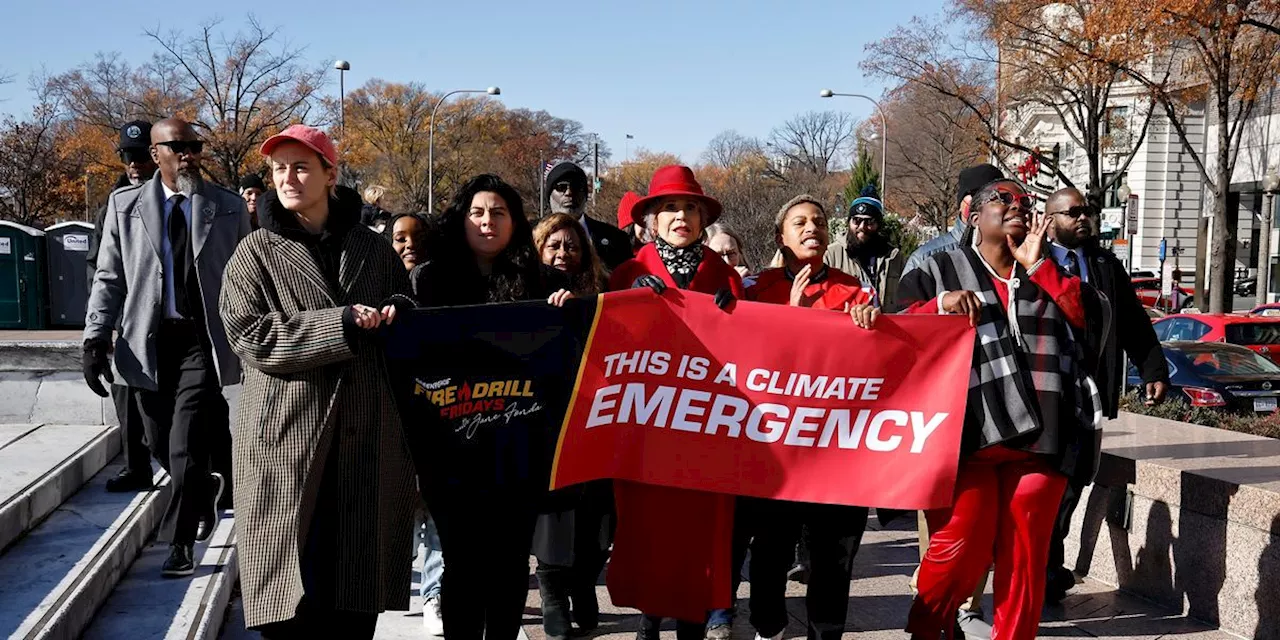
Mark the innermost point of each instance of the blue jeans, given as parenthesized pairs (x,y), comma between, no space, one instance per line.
(432,561)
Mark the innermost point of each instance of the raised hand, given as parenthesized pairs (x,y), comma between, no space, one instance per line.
(798,286)
(1031,250)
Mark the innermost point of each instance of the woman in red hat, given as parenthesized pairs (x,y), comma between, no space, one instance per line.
(671,552)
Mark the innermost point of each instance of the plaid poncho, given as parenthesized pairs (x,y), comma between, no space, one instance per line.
(1027,390)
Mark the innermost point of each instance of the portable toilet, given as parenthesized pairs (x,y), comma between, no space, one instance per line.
(22,270)
(67,245)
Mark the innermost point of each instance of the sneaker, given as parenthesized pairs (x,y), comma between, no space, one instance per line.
(722,631)
(181,562)
(973,625)
(129,480)
(432,621)
(209,519)
(799,573)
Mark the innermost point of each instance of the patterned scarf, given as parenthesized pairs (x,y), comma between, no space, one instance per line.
(1026,389)
(681,262)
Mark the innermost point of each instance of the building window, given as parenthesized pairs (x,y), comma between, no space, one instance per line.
(1116,120)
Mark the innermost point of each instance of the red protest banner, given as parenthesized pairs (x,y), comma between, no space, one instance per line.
(768,401)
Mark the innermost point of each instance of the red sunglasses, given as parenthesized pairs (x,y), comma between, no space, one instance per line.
(1025,201)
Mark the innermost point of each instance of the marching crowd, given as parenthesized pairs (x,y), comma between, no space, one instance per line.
(284,287)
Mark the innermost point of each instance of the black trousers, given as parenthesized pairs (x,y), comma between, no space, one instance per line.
(1062,527)
(566,588)
(485,539)
(832,535)
(181,418)
(133,440)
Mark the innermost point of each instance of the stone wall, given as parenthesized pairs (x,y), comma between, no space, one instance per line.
(1188,517)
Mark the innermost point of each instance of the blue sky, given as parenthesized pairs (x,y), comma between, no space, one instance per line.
(671,73)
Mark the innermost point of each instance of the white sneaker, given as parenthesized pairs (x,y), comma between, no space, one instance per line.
(431,618)
(775,637)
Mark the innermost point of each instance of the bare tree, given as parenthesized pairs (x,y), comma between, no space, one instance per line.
(810,141)
(730,148)
(246,86)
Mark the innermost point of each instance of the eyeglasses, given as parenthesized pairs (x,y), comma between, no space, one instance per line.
(862,221)
(1082,211)
(130,156)
(193,147)
(562,187)
(1024,200)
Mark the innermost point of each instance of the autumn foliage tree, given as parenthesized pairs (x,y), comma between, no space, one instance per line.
(40,172)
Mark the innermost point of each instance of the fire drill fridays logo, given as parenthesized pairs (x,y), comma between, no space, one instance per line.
(477,404)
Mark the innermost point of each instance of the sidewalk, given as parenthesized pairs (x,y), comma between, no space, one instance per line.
(878,606)
(50,335)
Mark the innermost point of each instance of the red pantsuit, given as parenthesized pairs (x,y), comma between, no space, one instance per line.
(1004,511)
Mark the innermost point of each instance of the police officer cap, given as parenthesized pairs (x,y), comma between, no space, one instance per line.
(135,135)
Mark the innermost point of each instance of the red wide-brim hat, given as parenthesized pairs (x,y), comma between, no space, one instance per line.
(677,180)
(629,200)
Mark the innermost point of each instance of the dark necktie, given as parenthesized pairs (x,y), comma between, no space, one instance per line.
(1073,264)
(180,242)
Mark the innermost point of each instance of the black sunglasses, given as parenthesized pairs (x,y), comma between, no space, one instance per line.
(1082,211)
(194,147)
(562,186)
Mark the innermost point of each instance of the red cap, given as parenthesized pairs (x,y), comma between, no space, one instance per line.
(315,139)
(629,199)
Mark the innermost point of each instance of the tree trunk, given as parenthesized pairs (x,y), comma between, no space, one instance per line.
(1221,254)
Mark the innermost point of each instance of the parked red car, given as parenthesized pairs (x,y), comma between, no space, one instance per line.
(1148,290)
(1269,309)
(1260,333)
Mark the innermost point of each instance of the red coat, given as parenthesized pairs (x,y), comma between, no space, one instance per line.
(833,292)
(673,547)
(713,273)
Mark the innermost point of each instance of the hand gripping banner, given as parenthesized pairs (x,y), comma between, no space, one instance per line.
(767,401)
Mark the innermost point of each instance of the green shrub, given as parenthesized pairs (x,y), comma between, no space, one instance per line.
(1267,425)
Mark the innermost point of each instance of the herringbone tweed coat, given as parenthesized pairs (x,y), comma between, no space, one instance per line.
(303,380)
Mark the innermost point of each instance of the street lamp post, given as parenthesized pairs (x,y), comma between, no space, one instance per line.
(1270,185)
(343,67)
(884,130)
(431,143)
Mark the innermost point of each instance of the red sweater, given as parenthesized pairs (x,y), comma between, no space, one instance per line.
(673,547)
(833,292)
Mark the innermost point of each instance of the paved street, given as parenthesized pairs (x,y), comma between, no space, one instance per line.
(877,607)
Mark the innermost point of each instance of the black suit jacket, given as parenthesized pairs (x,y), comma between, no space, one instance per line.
(612,244)
(1130,330)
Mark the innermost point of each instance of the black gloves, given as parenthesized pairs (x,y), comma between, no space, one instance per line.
(96,363)
(651,281)
(724,298)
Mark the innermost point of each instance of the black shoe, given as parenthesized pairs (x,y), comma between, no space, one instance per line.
(130,480)
(209,519)
(181,562)
(649,628)
(1057,584)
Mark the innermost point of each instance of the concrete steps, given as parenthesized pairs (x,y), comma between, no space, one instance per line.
(59,573)
(43,466)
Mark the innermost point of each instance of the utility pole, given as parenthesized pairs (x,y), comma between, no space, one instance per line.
(595,169)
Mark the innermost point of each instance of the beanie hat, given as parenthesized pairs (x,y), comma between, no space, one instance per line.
(866,206)
(570,172)
(973,178)
(803,198)
(252,181)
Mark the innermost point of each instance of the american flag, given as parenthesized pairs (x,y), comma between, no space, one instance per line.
(546,168)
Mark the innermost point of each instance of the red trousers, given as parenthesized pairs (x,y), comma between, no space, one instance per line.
(1005,507)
